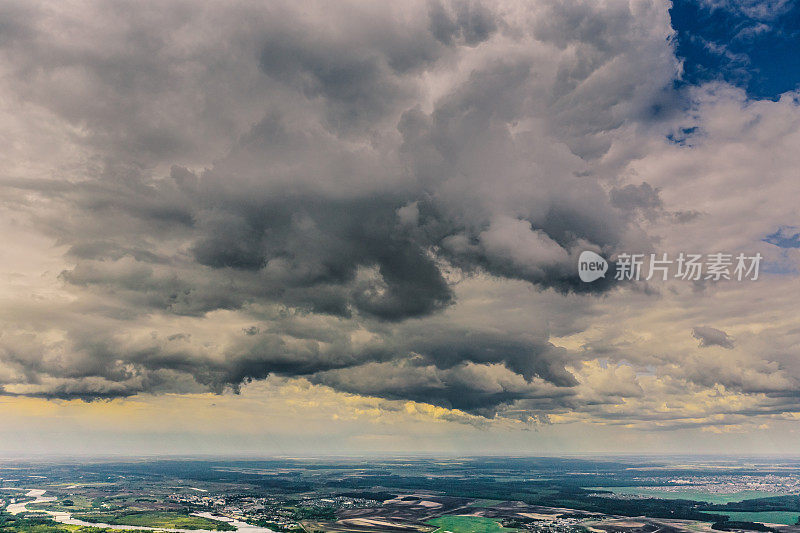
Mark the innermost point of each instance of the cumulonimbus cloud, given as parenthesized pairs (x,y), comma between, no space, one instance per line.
(326,176)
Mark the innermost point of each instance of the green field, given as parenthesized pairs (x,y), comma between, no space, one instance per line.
(484,503)
(16,524)
(468,524)
(165,519)
(78,503)
(771,517)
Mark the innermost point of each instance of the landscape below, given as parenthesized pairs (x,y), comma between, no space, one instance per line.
(405,495)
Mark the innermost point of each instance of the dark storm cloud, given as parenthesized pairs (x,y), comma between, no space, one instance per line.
(339,165)
(473,371)
(306,242)
(630,197)
(356,90)
(446,349)
(475,389)
(709,336)
(305,251)
(644,200)
(449,367)
(470,21)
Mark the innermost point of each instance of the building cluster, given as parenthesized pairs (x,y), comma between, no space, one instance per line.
(728,484)
(556,525)
(275,511)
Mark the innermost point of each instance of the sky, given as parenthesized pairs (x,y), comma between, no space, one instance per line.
(353,227)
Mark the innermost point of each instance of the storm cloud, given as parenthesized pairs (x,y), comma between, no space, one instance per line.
(334,193)
(709,336)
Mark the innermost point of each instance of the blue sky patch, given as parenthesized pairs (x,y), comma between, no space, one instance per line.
(682,136)
(785,237)
(752,44)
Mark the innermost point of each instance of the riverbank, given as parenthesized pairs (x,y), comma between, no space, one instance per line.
(64,517)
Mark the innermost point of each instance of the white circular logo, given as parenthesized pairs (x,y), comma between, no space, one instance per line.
(591,266)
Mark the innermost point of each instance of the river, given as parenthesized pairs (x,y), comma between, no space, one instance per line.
(66,518)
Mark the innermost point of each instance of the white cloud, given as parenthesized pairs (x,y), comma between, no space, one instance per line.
(388,199)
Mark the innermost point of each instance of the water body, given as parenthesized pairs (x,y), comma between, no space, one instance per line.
(66,518)
(691,494)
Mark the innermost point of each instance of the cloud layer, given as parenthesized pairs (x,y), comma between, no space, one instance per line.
(388,201)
